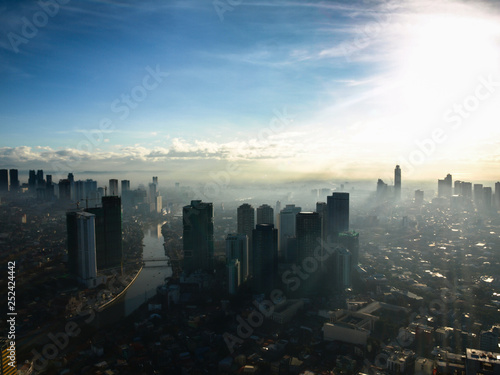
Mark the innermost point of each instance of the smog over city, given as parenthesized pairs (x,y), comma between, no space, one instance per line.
(257,187)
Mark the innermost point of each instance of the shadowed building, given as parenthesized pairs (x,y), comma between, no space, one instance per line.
(264,257)
(338,214)
(265,214)
(198,236)
(4,180)
(108,228)
(82,247)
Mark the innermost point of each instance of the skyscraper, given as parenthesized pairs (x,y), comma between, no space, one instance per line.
(125,186)
(4,180)
(14,180)
(397,183)
(321,209)
(264,257)
(32,181)
(113,187)
(338,214)
(419,197)
(478,195)
(246,220)
(237,248)
(65,190)
(82,247)
(445,187)
(287,224)
(265,214)
(308,234)
(343,267)
(234,274)
(108,224)
(497,195)
(198,236)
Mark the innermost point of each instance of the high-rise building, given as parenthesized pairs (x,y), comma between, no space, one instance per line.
(343,267)
(4,180)
(467,190)
(321,209)
(113,187)
(487,198)
(419,197)
(39,178)
(338,214)
(14,180)
(308,234)
(155,180)
(246,220)
(125,186)
(265,214)
(497,195)
(287,224)
(65,190)
(445,187)
(198,236)
(234,274)
(237,248)
(82,247)
(478,195)
(32,181)
(397,183)
(49,188)
(381,190)
(108,224)
(264,257)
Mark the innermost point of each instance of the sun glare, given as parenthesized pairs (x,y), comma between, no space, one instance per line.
(443,55)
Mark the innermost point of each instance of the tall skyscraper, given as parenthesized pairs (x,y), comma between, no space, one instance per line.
(397,183)
(265,214)
(49,188)
(64,190)
(246,220)
(39,178)
(321,209)
(478,195)
(487,198)
(82,247)
(381,190)
(497,195)
(32,181)
(343,267)
(108,224)
(338,214)
(287,224)
(234,274)
(113,187)
(14,180)
(4,180)
(237,248)
(467,190)
(308,234)
(198,236)
(125,186)
(445,187)
(264,258)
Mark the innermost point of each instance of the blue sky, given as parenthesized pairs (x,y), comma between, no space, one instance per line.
(284,89)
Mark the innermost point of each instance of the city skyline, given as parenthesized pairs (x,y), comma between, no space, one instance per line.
(267,91)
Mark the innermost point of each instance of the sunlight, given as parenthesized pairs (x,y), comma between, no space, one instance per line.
(444,55)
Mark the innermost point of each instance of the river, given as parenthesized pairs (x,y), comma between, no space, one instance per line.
(152,275)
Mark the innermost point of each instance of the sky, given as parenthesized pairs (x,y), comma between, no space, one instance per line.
(252,90)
